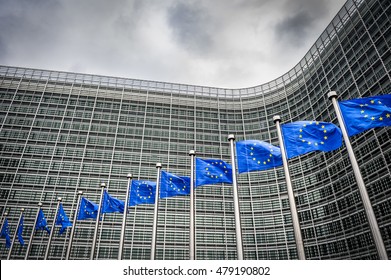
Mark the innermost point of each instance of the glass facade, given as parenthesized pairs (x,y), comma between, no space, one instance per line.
(64,132)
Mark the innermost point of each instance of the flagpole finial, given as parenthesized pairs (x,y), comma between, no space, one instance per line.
(129,176)
(192,153)
(276,118)
(79,193)
(22,210)
(59,198)
(5,214)
(39,204)
(103,185)
(332,94)
(231,137)
(158,165)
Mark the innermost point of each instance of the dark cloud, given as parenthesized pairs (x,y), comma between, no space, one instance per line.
(231,44)
(191,26)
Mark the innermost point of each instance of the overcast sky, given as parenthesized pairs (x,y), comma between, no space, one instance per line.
(219,43)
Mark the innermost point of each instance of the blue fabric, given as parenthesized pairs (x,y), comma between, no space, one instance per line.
(111,204)
(20,230)
(88,210)
(62,219)
(366,113)
(173,185)
(41,222)
(142,192)
(5,232)
(307,136)
(253,155)
(212,171)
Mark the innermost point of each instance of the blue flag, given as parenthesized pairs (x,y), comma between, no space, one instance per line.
(62,219)
(172,185)
(111,204)
(5,232)
(212,171)
(255,155)
(20,230)
(41,222)
(142,192)
(88,210)
(307,136)
(366,113)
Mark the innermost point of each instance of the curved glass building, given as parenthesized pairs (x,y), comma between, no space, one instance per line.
(64,132)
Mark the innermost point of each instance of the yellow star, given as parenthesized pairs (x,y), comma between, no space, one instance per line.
(300,130)
(317,123)
(373,118)
(325,131)
(362,111)
(325,138)
(381,118)
(372,101)
(388,115)
(300,136)
(322,126)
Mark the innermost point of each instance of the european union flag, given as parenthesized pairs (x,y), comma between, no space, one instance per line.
(172,185)
(111,204)
(87,209)
(142,192)
(253,155)
(212,171)
(366,113)
(5,232)
(62,219)
(41,222)
(306,136)
(20,230)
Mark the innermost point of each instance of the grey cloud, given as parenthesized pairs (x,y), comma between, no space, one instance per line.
(191,26)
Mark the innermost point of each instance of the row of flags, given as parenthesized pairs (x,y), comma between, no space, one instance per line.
(252,155)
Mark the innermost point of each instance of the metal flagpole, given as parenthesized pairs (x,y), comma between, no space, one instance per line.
(79,194)
(238,227)
(103,186)
(155,214)
(381,250)
(291,196)
(192,253)
(32,232)
(16,232)
(4,217)
(122,237)
(52,229)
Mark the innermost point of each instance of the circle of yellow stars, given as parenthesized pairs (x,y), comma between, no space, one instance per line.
(325,137)
(373,102)
(172,186)
(259,161)
(146,196)
(217,163)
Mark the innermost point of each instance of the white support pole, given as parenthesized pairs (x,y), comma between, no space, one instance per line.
(52,229)
(103,186)
(156,213)
(15,234)
(32,231)
(377,238)
(122,237)
(291,196)
(79,194)
(238,227)
(192,253)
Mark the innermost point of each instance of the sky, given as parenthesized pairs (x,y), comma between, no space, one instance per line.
(217,43)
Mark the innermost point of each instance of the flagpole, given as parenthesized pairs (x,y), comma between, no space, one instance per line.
(79,194)
(52,229)
(103,186)
(32,232)
(291,196)
(16,232)
(4,217)
(192,252)
(122,237)
(238,227)
(381,250)
(155,215)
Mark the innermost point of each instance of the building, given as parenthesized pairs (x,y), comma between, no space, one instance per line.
(63,132)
